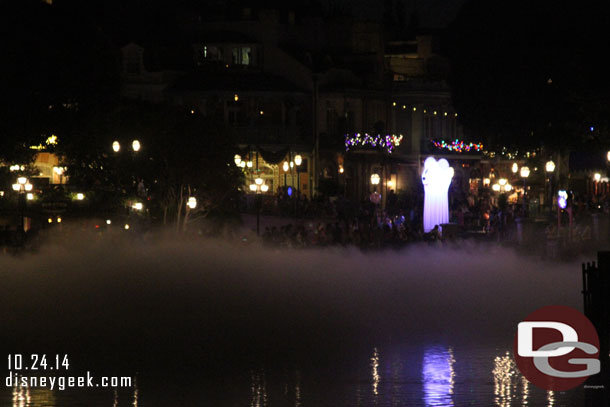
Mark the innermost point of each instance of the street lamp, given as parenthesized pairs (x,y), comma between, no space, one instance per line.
(597,177)
(298,159)
(237,159)
(258,188)
(21,186)
(116,146)
(525,172)
(550,169)
(515,168)
(136,145)
(192,202)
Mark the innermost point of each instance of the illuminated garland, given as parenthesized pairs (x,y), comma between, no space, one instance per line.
(458,146)
(389,142)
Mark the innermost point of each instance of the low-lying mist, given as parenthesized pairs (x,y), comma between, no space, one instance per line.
(176,303)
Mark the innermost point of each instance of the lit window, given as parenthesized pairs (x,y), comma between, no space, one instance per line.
(242,55)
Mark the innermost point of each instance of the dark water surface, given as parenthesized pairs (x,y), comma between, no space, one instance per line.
(218,324)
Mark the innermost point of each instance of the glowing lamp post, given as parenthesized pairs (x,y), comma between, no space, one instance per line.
(237,159)
(550,169)
(436,178)
(515,168)
(597,177)
(258,188)
(23,187)
(116,146)
(192,202)
(135,145)
(525,172)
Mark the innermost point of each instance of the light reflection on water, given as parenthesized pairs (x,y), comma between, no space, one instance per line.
(429,376)
(438,376)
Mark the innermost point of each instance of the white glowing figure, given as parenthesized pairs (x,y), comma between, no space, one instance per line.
(436,178)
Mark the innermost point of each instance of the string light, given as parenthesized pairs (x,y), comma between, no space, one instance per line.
(458,146)
(389,142)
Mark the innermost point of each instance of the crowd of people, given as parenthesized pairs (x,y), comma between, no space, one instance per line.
(324,221)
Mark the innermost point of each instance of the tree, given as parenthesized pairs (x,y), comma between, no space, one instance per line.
(182,155)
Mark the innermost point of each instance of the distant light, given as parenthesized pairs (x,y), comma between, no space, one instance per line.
(495,187)
(264,187)
(108,222)
(192,111)
(341,169)
(591,128)
(597,176)
(261,113)
(135,145)
(445,114)
(414,109)
(404,106)
(608,156)
(80,196)
(550,166)
(242,164)
(16,187)
(298,159)
(435,112)
(258,181)
(515,168)
(253,187)
(502,181)
(126,226)
(58,170)
(30,196)
(291,164)
(237,159)
(28,187)
(390,184)
(525,172)
(289,191)
(393,103)
(50,220)
(58,219)
(375,178)
(486,181)
(249,164)
(22,180)
(508,187)
(192,202)
(116,146)
(235,96)
(138,206)
(285,166)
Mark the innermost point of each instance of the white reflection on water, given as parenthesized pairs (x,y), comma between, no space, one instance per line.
(297,390)
(526,390)
(24,397)
(505,380)
(375,371)
(550,397)
(438,376)
(258,390)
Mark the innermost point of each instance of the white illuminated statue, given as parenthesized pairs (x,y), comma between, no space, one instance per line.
(436,179)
